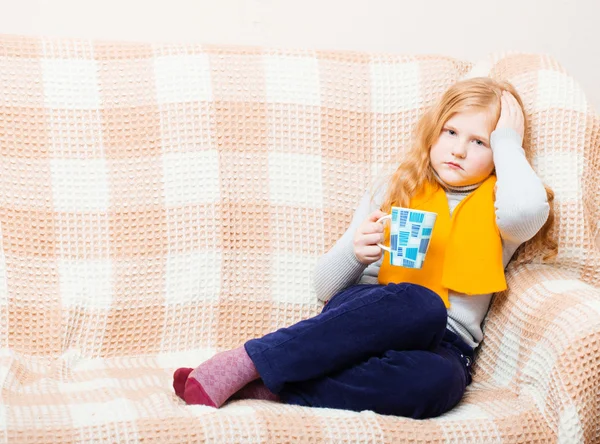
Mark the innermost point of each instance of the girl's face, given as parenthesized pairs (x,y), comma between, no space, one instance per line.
(462,154)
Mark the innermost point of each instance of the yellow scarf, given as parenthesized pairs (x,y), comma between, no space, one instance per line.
(465,250)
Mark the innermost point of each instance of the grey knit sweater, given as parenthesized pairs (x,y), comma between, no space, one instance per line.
(521,210)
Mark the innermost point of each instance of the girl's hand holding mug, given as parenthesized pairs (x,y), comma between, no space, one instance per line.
(367,236)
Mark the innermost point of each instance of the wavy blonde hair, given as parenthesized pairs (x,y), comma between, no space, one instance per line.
(476,94)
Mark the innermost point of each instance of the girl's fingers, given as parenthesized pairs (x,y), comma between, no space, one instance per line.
(375,228)
(511,114)
(376,215)
(506,107)
(518,111)
(518,107)
(372,252)
(372,239)
(515,105)
(510,104)
(371,228)
(503,101)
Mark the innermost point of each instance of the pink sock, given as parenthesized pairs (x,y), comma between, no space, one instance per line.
(256,390)
(215,380)
(179,379)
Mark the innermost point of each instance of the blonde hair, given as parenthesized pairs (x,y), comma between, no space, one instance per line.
(476,94)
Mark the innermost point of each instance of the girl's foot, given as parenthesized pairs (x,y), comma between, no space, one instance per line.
(256,390)
(179,379)
(215,380)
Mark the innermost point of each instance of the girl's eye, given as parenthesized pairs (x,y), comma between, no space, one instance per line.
(479,142)
(451,132)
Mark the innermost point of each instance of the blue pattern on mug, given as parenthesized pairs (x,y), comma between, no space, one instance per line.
(411,253)
(403,217)
(410,233)
(414,231)
(416,217)
(403,236)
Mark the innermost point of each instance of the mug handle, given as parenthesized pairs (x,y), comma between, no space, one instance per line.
(383,247)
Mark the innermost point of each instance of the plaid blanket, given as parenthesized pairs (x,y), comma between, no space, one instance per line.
(162,202)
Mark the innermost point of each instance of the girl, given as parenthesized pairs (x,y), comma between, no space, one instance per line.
(390,339)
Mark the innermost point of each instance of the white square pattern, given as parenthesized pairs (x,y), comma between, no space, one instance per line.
(191,178)
(86,283)
(564,170)
(295,179)
(557,90)
(464,412)
(85,415)
(194,276)
(505,370)
(565,285)
(570,428)
(80,185)
(536,373)
(395,87)
(183,78)
(292,278)
(71,83)
(292,80)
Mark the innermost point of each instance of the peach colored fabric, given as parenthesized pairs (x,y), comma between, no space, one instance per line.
(159,203)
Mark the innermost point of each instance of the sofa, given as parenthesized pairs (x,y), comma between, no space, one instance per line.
(163,202)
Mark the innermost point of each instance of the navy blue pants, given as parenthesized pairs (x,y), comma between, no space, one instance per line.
(373,347)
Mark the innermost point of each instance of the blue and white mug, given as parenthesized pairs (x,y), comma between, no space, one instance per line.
(410,235)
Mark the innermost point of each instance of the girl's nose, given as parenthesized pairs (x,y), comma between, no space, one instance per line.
(459,150)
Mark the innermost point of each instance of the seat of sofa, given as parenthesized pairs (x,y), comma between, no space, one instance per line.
(130,399)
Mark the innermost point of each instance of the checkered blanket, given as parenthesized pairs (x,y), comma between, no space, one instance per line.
(159,203)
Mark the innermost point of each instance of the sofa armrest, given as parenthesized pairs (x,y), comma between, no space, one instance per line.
(542,340)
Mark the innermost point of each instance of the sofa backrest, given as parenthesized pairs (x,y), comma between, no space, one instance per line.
(564,136)
(162,198)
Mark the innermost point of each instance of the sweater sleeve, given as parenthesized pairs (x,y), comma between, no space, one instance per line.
(339,267)
(521,202)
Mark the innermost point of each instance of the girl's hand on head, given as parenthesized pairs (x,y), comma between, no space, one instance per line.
(511,114)
(367,236)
